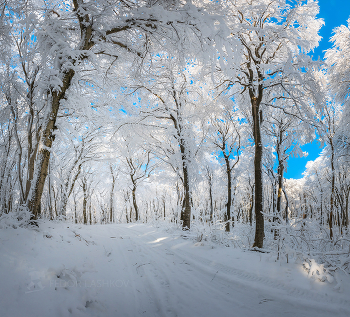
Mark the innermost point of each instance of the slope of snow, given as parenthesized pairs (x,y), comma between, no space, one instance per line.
(131,270)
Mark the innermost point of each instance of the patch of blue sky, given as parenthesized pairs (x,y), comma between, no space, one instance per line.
(297,165)
(334,13)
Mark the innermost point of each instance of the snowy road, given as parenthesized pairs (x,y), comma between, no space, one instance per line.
(137,270)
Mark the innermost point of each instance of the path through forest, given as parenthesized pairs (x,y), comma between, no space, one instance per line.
(138,270)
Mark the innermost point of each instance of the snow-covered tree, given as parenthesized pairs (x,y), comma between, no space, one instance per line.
(267,61)
(72,34)
(227,135)
(175,110)
(338,67)
(337,59)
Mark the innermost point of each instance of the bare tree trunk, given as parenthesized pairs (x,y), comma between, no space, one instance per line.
(126,215)
(85,202)
(186,206)
(330,220)
(287,206)
(164,209)
(135,203)
(49,124)
(47,137)
(280,186)
(229,194)
(210,183)
(90,214)
(259,218)
(75,210)
(111,200)
(346,216)
(251,204)
(19,150)
(32,148)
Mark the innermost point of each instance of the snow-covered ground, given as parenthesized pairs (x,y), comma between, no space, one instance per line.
(62,269)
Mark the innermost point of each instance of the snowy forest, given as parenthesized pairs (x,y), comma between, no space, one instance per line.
(178,114)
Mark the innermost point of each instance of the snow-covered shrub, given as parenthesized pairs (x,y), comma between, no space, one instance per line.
(15,219)
(307,242)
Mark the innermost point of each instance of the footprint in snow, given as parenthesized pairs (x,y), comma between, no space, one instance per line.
(265,300)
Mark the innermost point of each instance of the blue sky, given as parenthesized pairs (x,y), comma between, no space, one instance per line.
(334,13)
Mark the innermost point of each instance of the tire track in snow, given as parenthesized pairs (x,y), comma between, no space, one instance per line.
(251,277)
(223,272)
(193,287)
(177,284)
(147,300)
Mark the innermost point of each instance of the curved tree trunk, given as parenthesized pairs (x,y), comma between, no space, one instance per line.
(47,137)
(45,143)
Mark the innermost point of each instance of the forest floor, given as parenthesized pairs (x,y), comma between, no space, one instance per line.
(119,270)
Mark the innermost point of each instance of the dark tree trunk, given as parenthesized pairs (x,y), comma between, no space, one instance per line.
(346,216)
(229,194)
(186,204)
(210,181)
(164,209)
(111,200)
(280,186)
(251,204)
(330,220)
(186,207)
(258,203)
(135,203)
(85,203)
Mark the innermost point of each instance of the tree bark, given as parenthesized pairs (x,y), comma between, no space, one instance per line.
(47,137)
(186,208)
(258,203)
(330,220)
(280,186)
(229,194)
(85,203)
(48,127)
(111,200)
(210,183)
(135,203)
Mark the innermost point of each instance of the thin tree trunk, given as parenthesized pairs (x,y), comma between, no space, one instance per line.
(135,203)
(330,221)
(251,206)
(209,175)
(85,203)
(280,186)
(346,217)
(111,200)
(229,194)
